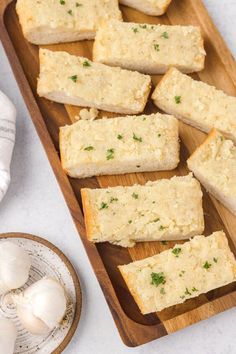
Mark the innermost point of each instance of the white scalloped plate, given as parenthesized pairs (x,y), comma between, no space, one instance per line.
(47,260)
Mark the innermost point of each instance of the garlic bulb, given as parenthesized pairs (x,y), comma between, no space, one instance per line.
(14,266)
(42,306)
(7,141)
(8,336)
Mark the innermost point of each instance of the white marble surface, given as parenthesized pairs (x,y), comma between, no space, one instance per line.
(34,204)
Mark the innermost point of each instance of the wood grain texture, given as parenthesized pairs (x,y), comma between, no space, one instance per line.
(73,274)
(220,70)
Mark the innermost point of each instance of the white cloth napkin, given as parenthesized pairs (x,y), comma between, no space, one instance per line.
(7,141)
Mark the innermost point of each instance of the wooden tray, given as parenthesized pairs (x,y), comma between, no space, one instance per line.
(220,70)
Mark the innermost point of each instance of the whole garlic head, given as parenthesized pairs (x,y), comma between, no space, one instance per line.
(14,266)
(42,306)
(8,336)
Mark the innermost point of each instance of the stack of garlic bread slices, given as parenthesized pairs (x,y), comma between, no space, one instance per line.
(58,21)
(151,49)
(69,79)
(120,145)
(167,209)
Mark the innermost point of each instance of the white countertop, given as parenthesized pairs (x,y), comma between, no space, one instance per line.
(34,204)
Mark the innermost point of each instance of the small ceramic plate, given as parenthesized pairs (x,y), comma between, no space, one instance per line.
(47,260)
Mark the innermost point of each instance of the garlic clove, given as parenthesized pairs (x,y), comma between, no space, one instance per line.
(14,266)
(8,336)
(42,306)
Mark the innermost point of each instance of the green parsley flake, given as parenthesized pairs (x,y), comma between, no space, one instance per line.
(110,154)
(119,136)
(182,297)
(89,148)
(177,99)
(62,2)
(70,12)
(130,221)
(215,259)
(103,206)
(161,228)
(158,278)
(136,138)
(86,63)
(187,292)
(138,166)
(113,200)
(77,4)
(159,135)
(194,289)
(143,26)
(156,47)
(74,78)
(176,251)
(165,35)
(135,29)
(135,196)
(162,291)
(207,265)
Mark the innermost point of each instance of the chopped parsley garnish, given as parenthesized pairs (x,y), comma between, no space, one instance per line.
(162,228)
(119,136)
(138,166)
(77,4)
(103,206)
(182,297)
(215,259)
(113,200)
(159,135)
(156,47)
(222,138)
(176,251)
(181,273)
(164,242)
(73,78)
(136,138)
(89,148)
(156,220)
(62,2)
(130,221)
(207,265)
(86,63)
(194,289)
(70,12)
(187,292)
(143,26)
(158,278)
(110,154)
(135,29)
(135,195)
(162,291)
(165,35)
(177,99)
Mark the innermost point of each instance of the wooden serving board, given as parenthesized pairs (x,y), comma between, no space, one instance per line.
(220,70)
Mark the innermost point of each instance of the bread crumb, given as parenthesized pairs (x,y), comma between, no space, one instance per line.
(87,114)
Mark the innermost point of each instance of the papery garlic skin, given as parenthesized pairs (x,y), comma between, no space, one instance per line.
(14,266)
(42,306)
(7,141)
(8,336)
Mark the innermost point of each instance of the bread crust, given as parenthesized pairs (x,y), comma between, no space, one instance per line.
(145,8)
(89,213)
